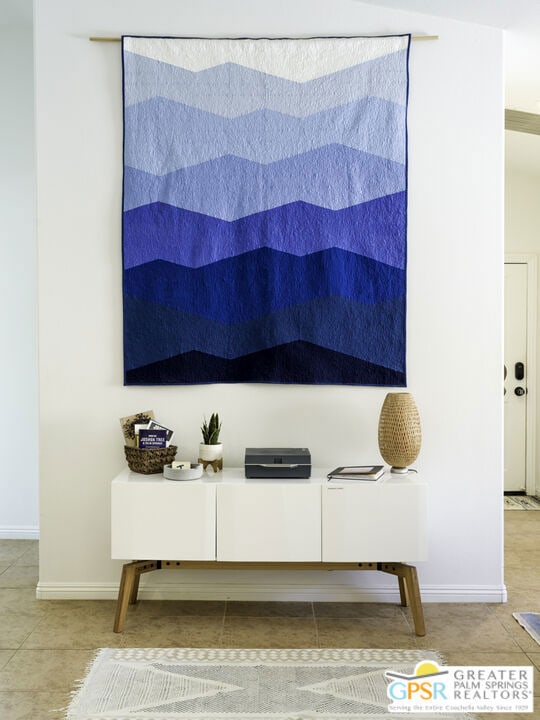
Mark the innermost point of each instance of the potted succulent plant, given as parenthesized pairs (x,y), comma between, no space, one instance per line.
(211,449)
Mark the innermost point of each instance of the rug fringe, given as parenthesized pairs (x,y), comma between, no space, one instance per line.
(79,683)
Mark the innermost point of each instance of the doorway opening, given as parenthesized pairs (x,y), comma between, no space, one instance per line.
(520,301)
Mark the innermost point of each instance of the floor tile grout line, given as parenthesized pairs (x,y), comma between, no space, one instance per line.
(12,560)
(13,651)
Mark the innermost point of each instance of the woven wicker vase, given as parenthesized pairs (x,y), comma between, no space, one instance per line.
(400,434)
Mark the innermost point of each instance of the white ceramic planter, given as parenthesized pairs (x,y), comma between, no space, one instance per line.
(211,455)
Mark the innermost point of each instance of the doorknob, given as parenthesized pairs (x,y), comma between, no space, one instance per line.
(520,391)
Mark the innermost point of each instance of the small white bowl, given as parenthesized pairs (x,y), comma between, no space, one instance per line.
(192,473)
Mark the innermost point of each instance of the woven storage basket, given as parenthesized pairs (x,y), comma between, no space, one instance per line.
(150,461)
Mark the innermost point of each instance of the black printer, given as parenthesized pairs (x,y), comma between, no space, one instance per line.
(278,463)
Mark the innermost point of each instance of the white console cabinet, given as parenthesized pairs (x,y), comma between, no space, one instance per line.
(374,520)
(224,520)
(155,518)
(268,522)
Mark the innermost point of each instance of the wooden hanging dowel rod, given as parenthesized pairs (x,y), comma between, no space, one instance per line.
(117,39)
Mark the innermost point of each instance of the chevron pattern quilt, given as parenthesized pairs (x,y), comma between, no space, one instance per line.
(265,210)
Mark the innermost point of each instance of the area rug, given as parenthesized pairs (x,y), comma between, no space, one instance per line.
(225,684)
(530,622)
(521,502)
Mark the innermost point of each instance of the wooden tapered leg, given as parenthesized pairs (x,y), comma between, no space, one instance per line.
(129,573)
(402,591)
(413,592)
(129,587)
(134,589)
(409,591)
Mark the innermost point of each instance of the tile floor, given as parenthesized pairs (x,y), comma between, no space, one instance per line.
(46,645)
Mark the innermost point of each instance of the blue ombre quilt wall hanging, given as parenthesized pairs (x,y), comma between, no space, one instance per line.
(265,210)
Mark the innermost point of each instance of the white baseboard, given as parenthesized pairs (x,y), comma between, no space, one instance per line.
(73,591)
(249,591)
(23,532)
(463,594)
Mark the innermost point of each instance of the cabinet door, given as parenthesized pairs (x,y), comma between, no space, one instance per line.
(383,522)
(271,522)
(159,521)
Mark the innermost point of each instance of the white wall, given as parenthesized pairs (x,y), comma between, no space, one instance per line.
(19,516)
(522,236)
(454,300)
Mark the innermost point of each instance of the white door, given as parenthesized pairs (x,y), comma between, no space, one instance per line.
(515,382)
